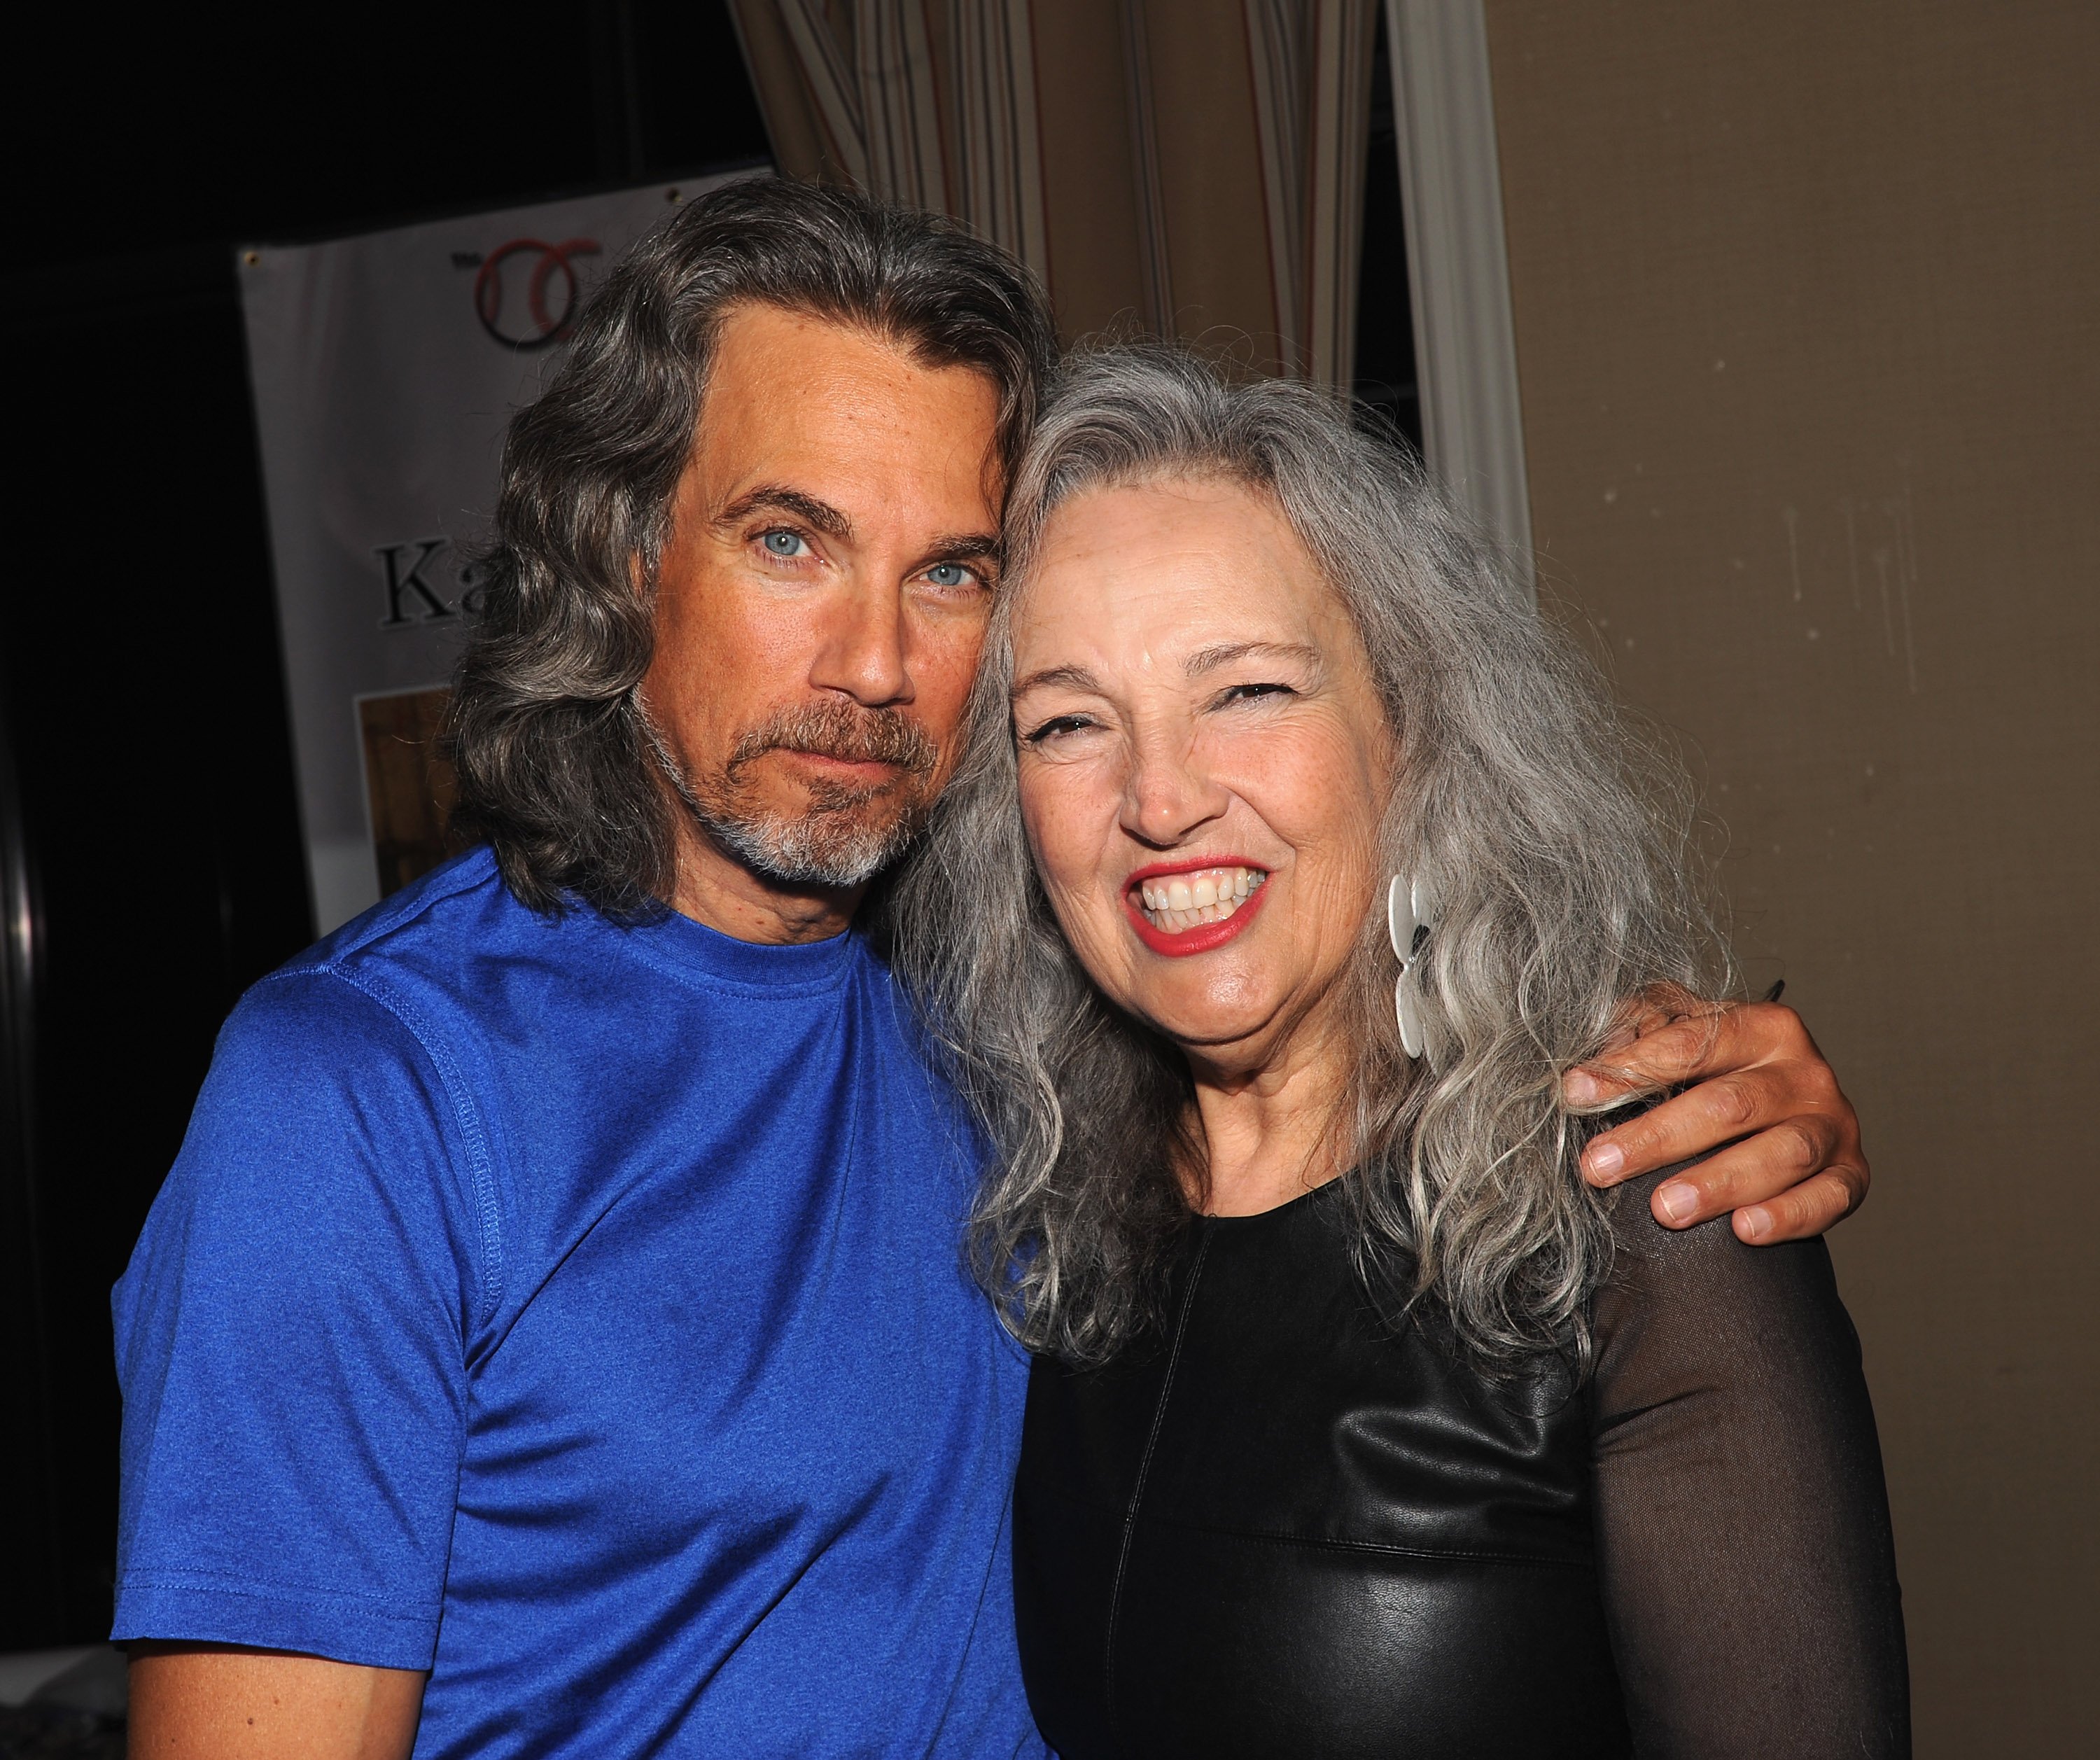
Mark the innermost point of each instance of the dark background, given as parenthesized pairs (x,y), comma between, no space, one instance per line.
(153,864)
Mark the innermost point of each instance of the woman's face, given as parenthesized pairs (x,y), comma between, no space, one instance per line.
(1203,764)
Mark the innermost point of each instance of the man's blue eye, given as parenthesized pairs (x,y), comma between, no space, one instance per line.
(784,543)
(948,574)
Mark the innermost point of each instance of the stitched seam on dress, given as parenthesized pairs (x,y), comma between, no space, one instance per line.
(1469,1554)
(1144,1471)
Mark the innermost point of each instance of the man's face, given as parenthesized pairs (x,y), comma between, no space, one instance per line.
(820,606)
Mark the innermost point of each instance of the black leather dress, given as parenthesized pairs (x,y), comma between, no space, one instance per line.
(1280,1528)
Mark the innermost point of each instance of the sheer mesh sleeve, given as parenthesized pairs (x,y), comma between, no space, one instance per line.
(1743,1526)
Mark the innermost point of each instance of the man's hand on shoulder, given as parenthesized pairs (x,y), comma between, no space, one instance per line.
(1752,1080)
(219,1702)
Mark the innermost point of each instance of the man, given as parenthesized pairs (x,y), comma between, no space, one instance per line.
(553,1336)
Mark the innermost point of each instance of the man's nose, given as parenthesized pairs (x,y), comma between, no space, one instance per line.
(861,649)
(1168,793)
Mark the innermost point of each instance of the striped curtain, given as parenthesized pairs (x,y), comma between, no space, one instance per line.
(1187,167)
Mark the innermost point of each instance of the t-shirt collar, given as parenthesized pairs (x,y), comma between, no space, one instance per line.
(708,953)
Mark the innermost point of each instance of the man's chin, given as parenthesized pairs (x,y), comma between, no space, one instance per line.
(831,849)
(831,803)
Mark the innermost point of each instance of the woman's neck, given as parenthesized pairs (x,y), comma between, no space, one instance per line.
(1274,1134)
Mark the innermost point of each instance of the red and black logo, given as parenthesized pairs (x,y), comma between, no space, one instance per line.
(553,290)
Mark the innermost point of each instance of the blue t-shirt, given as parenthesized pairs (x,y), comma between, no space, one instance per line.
(577,1312)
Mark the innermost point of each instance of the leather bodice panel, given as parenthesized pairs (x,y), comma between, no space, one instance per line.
(1282,1527)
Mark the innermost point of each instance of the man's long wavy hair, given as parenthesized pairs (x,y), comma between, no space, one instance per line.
(1554,840)
(554,765)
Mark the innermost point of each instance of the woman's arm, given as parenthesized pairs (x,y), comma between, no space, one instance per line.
(1743,1525)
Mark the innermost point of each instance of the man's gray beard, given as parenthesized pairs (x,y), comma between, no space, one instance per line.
(824,847)
(818,849)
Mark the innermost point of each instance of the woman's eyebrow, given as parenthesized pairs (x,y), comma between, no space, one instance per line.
(1224,653)
(1071,678)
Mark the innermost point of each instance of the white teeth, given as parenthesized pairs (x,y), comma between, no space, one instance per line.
(1185,901)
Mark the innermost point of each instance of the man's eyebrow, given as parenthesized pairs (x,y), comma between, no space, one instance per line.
(821,515)
(1224,653)
(1072,677)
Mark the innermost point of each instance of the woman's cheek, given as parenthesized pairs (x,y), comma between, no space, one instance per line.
(1303,790)
(1072,825)
(1037,819)
(1054,814)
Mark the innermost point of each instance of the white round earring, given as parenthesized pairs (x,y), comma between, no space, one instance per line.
(1407,907)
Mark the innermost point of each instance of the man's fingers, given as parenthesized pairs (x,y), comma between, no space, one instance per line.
(1693,1047)
(1751,1079)
(1716,1111)
(1809,1209)
(1752,1171)
(1661,1057)
(1591,1087)
(1618,1072)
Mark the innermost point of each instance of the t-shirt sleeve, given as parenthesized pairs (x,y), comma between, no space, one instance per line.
(291,1342)
(1748,1570)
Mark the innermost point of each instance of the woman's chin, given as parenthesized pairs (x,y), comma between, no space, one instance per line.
(1234,1029)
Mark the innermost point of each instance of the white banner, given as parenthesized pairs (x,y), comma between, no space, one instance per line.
(384,369)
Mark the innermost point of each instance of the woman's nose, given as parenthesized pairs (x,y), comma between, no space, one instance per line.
(1168,794)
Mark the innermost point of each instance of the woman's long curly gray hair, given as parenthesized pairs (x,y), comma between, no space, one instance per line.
(1555,842)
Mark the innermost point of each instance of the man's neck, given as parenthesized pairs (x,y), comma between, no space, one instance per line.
(714,888)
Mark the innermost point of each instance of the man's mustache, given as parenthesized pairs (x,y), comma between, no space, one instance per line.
(841,731)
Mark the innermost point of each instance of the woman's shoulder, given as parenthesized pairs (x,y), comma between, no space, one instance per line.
(1686,1307)
(1659,1263)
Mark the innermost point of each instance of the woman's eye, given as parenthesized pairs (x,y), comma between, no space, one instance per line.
(1255,693)
(1055,725)
(785,545)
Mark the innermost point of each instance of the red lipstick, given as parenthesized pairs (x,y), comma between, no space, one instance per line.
(1176,944)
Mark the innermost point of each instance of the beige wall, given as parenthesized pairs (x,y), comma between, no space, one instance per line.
(1808,302)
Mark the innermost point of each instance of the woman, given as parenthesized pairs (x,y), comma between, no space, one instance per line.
(1358,1425)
